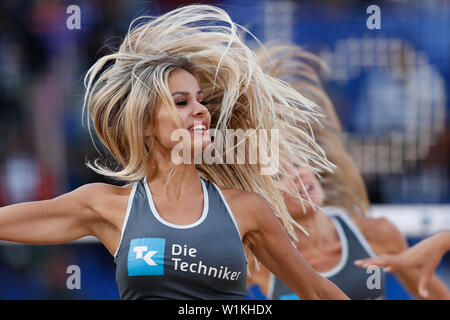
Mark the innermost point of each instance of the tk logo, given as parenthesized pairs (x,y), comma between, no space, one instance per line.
(146,256)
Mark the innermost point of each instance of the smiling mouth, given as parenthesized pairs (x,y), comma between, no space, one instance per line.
(199,129)
(308,187)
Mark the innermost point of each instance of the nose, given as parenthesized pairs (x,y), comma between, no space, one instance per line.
(199,110)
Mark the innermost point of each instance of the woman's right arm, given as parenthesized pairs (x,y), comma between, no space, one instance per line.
(59,220)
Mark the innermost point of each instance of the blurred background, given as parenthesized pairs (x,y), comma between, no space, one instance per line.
(389,87)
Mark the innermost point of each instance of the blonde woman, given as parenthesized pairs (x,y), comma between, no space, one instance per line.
(335,208)
(182,230)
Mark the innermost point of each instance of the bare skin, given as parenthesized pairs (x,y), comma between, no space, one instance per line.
(99,209)
(323,249)
(423,257)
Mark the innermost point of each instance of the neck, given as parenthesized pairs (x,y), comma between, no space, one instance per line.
(307,220)
(319,226)
(170,180)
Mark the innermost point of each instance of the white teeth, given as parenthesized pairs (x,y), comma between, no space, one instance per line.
(198,127)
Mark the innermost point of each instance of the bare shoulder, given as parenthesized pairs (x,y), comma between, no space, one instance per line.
(92,193)
(382,234)
(247,207)
(104,188)
(104,199)
(248,200)
(105,205)
(236,193)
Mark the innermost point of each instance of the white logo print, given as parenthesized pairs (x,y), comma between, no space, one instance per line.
(148,256)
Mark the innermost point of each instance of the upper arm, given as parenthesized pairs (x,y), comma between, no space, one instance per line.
(271,245)
(265,234)
(383,236)
(58,220)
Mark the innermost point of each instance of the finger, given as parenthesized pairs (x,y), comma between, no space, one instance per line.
(365,263)
(425,277)
(388,269)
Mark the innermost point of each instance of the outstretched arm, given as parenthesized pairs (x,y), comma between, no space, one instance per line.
(271,245)
(424,256)
(386,239)
(59,220)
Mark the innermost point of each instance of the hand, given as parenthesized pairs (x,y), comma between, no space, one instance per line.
(424,256)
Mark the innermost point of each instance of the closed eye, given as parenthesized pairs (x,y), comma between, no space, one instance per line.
(183,103)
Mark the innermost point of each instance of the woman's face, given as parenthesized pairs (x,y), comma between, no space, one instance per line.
(311,186)
(191,110)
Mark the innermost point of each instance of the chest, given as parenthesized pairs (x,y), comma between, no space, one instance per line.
(182,260)
(324,258)
(181,212)
(175,266)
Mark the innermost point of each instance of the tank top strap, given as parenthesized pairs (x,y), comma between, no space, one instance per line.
(351,230)
(218,199)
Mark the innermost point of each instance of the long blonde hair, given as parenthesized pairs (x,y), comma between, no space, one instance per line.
(124,87)
(344,187)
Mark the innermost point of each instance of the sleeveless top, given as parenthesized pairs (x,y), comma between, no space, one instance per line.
(357,283)
(156,259)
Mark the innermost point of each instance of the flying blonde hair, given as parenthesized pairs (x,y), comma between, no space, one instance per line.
(344,187)
(123,88)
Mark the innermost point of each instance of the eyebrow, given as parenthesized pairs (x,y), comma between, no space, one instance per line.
(185,93)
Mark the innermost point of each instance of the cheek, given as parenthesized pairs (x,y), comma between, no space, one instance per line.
(318,197)
(287,183)
(165,126)
(321,199)
(293,205)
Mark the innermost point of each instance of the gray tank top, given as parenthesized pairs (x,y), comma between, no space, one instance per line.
(156,259)
(357,283)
